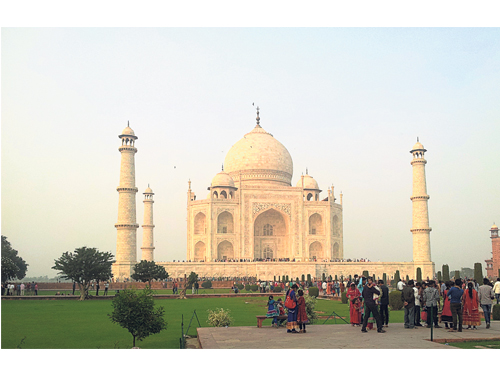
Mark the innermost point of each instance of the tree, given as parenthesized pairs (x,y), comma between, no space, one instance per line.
(83,266)
(446,272)
(136,312)
(147,271)
(192,278)
(419,274)
(13,266)
(478,273)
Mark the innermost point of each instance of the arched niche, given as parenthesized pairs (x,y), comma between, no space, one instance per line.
(316,224)
(200,223)
(225,250)
(225,223)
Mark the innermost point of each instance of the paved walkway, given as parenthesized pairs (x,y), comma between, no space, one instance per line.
(338,336)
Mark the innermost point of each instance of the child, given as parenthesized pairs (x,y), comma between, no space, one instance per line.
(281,311)
(302,314)
(272,312)
(357,305)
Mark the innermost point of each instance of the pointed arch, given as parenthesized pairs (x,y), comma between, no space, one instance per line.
(200,223)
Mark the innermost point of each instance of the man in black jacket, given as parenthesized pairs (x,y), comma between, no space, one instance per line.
(370,306)
(384,303)
(408,297)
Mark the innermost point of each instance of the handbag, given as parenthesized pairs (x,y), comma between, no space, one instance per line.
(289,303)
(423,316)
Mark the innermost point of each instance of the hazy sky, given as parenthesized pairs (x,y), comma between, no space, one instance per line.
(347,103)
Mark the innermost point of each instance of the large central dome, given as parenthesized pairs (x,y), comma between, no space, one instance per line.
(259,159)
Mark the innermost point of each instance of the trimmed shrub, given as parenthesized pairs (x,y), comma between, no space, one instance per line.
(254,287)
(277,289)
(478,273)
(419,275)
(395,301)
(313,291)
(247,287)
(496,312)
(206,284)
(240,286)
(343,297)
(365,273)
(310,305)
(446,272)
(219,318)
(439,275)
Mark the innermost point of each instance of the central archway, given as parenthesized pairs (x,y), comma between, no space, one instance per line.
(271,239)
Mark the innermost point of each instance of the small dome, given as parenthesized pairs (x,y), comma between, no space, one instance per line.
(148,191)
(222,179)
(128,131)
(309,183)
(418,146)
(494,227)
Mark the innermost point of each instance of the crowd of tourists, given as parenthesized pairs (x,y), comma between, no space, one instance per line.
(455,303)
(242,260)
(20,289)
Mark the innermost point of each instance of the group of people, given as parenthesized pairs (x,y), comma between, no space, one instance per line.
(368,303)
(20,289)
(295,304)
(365,297)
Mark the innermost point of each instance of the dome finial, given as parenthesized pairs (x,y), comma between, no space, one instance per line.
(417,140)
(307,171)
(128,124)
(258,118)
(222,167)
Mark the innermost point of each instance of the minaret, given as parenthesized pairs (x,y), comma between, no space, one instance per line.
(147,228)
(126,242)
(420,227)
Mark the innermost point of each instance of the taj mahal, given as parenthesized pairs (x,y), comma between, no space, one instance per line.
(255,222)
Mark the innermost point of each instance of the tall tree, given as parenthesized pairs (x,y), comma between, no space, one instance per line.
(446,272)
(83,266)
(147,271)
(192,278)
(135,311)
(13,266)
(478,273)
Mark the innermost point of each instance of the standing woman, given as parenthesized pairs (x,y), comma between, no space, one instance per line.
(291,305)
(446,316)
(470,301)
(302,314)
(354,295)
(272,311)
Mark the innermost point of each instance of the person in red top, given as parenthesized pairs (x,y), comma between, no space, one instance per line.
(302,314)
(353,295)
(446,316)
(470,302)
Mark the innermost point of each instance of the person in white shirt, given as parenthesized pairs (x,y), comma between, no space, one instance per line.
(416,289)
(496,290)
(400,285)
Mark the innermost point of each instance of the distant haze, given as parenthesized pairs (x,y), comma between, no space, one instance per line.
(347,103)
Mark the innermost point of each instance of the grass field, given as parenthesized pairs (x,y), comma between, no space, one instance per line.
(489,344)
(53,324)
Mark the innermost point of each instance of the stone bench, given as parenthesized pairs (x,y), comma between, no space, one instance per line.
(261,318)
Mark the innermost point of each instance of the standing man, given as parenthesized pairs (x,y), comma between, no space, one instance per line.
(97,287)
(400,285)
(408,297)
(431,297)
(485,297)
(74,287)
(384,303)
(496,290)
(455,295)
(22,288)
(370,306)
(106,287)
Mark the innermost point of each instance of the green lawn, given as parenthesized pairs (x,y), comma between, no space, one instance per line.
(488,344)
(72,324)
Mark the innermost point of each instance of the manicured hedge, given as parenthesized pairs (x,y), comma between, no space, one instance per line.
(395,301)
(313,291)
